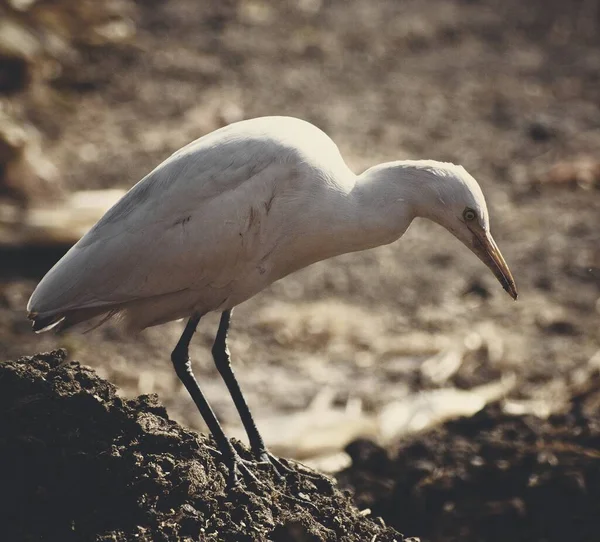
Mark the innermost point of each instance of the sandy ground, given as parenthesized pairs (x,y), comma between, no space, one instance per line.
(508,90)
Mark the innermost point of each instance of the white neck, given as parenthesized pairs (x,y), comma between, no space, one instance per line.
(372,209)
(387,197)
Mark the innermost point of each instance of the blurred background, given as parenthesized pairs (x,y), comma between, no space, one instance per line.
(93,95)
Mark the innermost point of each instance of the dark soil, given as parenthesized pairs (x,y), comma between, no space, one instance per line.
(492,477)
(80,463)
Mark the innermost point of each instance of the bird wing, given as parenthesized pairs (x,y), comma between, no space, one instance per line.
(198,219)
(184,226)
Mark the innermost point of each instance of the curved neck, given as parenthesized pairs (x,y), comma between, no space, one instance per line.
(387,198)
(364,211)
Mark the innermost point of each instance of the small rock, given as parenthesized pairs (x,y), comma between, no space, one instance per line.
(366,454)
(541,131)
(14,74)
(477,289)
(544,283)
(561,327)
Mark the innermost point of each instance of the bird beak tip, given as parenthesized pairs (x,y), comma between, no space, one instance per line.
(486,249)
(512,292)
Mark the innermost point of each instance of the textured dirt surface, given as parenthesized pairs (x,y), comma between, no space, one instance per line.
(492,477)
(89,465)
(79,463)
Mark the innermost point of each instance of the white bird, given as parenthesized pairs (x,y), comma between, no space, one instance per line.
(231,213)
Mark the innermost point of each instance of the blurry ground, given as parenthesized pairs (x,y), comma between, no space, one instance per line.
(491,477)
(510,91)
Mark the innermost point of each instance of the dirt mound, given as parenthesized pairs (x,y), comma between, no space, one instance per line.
(80,463)
(492,477)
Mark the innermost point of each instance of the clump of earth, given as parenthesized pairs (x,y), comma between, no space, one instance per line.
(81,463)
(493,477)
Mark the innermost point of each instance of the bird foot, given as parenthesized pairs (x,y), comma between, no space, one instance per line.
(266,458)
(282,467)
(240,468)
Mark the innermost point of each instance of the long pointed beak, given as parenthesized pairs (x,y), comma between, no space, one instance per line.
(488,252)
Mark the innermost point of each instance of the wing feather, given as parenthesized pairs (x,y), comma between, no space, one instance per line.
(191,223)
(161,237)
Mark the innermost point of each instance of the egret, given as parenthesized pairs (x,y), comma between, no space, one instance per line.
(234,211)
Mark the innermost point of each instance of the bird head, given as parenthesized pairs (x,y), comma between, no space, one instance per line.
(453,199)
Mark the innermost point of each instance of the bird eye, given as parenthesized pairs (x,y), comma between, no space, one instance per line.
(469,215)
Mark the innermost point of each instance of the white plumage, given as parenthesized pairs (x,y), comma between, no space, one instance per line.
(234,211)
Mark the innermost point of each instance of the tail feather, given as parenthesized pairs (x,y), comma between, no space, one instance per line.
(138,314)
(45,323)
(64,320)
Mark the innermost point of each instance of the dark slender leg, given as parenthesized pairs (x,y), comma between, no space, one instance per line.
(220,354)
(222,360)
(181,361)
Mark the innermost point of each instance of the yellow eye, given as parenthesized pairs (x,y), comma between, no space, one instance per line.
(469,215)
